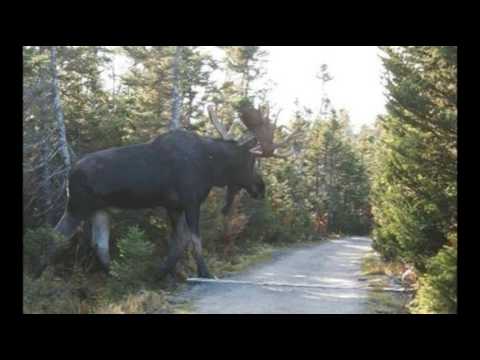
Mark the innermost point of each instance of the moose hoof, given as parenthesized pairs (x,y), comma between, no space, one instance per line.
(105,268)
(104,260)
(205,274)
(163,272)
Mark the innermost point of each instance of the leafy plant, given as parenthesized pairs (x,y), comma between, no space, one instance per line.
(438,287)
(36,243)
(135,257)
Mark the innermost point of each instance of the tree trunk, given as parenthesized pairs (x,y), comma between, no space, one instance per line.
(246,81)
(176,95)
(57,109)
(113,86)
(45,172)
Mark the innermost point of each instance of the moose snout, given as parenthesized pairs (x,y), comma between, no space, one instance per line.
(258,195)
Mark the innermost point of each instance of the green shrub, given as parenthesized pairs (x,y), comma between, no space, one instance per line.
(35,245)
(438,286)
(135,257)
(385,243)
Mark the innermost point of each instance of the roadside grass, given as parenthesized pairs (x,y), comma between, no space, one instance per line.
(387,303)
(90,294)
(52,294)
(372,264)
(140,302)
(378,274)
(241,260)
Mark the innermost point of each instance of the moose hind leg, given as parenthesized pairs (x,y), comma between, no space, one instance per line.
(68,225)
(100,237)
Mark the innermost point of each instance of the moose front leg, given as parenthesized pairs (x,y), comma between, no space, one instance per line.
(232,191)
(179,240)
(202,268)
(193,218)
(100,237)
(227,212)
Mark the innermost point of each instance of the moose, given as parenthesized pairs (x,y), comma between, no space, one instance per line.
(176,171)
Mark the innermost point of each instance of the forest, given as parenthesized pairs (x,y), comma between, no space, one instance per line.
(394,181)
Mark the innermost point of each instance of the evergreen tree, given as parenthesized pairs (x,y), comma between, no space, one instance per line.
(151,87)
(341,184)
(245,61)
(415,188)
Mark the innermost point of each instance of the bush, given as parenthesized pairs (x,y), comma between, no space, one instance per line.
(135,257)
(385,243)
(51,294)
(438,286)
(35,245)
(284,215)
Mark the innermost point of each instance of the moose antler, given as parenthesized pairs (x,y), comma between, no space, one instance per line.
(260,128)
(259,123)
(218,125)
(224,133)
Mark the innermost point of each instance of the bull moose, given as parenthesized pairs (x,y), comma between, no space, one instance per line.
(176,170)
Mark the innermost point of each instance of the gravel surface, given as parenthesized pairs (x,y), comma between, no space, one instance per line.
(331,263)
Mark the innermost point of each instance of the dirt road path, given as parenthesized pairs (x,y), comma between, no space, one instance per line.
(334,264)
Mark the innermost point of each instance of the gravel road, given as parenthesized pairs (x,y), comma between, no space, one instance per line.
(335,264)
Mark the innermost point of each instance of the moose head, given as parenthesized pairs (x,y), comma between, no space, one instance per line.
(257,143)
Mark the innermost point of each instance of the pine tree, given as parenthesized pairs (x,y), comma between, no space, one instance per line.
(341,183)
(247,62)
(415,188)
(153,100)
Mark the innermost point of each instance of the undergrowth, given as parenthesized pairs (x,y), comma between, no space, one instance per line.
(132,286)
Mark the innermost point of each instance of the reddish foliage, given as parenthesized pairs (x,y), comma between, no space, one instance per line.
(321,223)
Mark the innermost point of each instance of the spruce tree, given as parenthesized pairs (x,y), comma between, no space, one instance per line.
(415,187)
